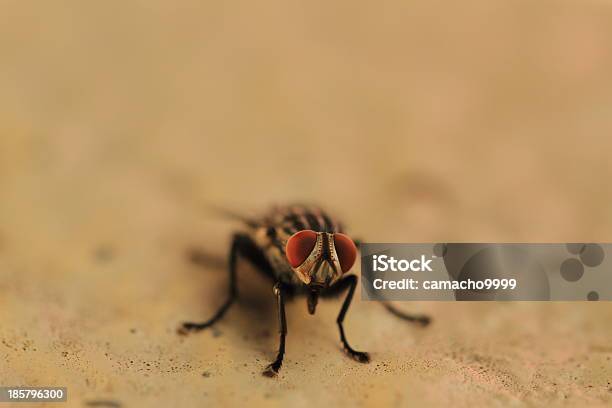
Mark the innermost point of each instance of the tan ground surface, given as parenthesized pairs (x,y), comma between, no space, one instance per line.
(415,121)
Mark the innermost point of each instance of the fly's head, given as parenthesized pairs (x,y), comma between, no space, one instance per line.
(319,259)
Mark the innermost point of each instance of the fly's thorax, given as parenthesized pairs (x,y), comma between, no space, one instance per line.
(272,246)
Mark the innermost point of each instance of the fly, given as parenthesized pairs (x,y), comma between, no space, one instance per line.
(305,252)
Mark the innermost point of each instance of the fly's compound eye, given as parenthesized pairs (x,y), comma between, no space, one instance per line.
(346,250)
(299,247)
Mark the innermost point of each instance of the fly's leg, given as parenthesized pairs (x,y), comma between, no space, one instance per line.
(240,244)
(349,282)
(422,320)
(272,369)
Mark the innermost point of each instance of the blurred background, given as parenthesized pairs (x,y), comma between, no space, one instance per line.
(413,121)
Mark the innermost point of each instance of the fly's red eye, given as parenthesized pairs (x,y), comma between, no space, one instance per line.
(299,247)
(346,250)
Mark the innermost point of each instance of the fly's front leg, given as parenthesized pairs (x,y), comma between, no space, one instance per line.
(238,243)
(273,368)
(349,282)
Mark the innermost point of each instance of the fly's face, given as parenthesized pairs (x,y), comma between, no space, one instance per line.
(320,258)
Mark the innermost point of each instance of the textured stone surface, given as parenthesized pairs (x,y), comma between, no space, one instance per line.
(415,122)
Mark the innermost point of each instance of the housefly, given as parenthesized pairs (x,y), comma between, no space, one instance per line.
(305,252)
